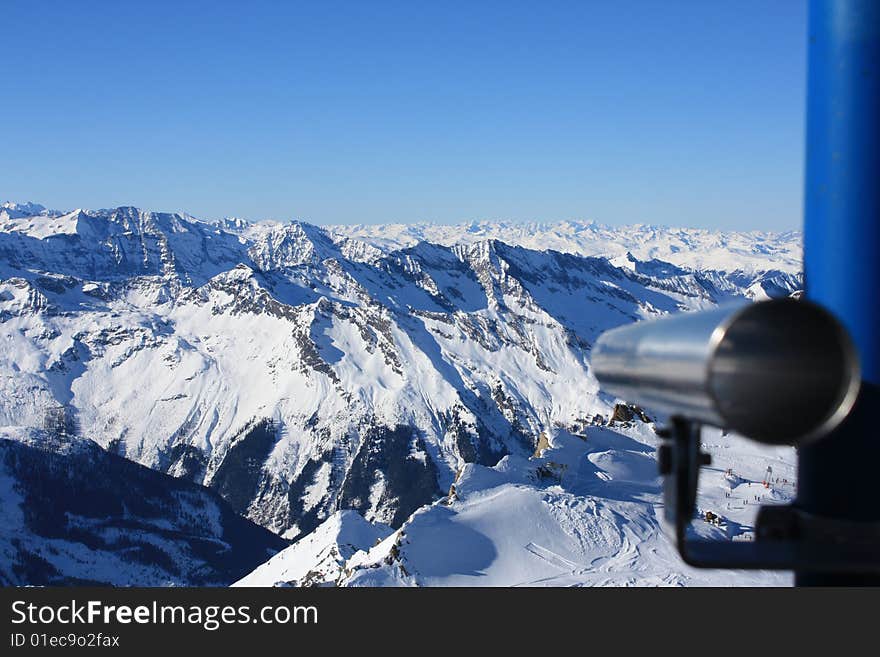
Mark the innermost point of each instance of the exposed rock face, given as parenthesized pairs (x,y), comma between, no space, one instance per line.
(399,459)
(238,476)
(627,413)
(543,443)
(297,372)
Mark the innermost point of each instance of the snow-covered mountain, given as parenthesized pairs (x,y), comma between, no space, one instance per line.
(300,371)
(581,512)
(320,557)
(74,514)
(10,210)
(686,247)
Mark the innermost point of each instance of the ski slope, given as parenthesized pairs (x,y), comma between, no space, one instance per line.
(584,512)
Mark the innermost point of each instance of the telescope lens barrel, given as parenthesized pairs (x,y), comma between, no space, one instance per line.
(780,372)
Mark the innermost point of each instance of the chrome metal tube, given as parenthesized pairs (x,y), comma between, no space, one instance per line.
(781,371)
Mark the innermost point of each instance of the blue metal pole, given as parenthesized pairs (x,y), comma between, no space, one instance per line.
(838,476)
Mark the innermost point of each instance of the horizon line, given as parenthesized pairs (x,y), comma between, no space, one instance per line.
(414,222)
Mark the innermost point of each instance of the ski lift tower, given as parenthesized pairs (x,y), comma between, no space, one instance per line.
(837,476)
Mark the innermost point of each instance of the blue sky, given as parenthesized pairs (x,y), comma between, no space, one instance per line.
(678,112)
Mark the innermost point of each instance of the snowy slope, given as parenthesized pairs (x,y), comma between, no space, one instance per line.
(319,557)
(584,512)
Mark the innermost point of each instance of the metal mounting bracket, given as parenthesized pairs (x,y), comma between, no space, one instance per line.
(786,538)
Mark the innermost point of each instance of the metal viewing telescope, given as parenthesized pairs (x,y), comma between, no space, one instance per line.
(780,372)
(799,372)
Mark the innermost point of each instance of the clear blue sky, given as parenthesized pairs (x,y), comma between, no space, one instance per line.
(622,111)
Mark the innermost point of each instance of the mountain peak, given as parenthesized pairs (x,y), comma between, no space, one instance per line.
(319,557)
(26,209)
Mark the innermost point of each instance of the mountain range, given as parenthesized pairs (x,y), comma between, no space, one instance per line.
(414,385)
